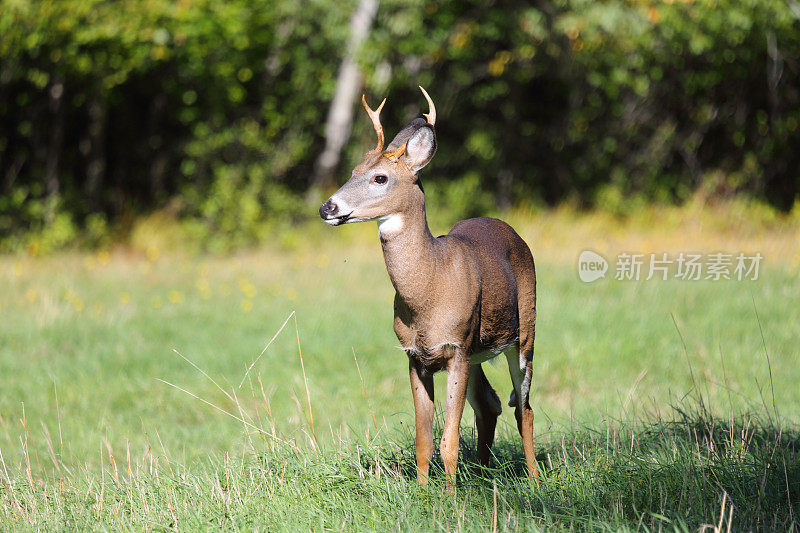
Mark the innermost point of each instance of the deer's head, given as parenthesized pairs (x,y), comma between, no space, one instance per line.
(385,183)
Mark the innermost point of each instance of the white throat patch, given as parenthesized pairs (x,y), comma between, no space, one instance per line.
(390,224)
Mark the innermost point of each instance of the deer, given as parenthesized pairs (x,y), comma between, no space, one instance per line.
(461,299)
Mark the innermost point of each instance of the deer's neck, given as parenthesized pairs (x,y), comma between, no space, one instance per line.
(410,251)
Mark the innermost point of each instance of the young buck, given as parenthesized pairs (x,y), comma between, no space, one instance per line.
(461,299)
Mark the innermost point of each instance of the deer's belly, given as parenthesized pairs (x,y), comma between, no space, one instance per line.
(489,353)
(482,357)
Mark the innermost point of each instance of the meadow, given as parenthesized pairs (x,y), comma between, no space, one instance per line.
(126,401)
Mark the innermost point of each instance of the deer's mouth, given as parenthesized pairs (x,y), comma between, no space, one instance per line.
(338,220)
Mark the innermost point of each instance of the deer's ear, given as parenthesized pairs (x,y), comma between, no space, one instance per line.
(420,148)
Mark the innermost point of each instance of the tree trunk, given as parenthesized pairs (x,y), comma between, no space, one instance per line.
(156,148)
(340,114)
(52,179)
(96,165)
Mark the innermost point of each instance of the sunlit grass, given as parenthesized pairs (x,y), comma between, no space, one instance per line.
(85,339)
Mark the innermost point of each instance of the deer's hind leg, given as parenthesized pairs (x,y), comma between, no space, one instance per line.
(520,366)
(484,401)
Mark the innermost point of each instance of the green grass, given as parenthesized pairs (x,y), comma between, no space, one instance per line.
(676,475)
(90,436)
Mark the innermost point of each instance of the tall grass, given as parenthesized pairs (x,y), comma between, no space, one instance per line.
(676,470)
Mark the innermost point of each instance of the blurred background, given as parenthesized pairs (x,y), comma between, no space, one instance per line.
(227,119)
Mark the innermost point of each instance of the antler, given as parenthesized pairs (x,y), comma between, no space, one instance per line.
(394,157)
(431,116)
(376,121)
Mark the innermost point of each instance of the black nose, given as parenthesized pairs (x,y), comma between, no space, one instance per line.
(328,209)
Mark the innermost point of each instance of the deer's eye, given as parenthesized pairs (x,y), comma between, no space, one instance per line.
(380,179)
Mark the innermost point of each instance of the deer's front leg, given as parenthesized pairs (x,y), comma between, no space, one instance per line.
(457,379)
(422,390)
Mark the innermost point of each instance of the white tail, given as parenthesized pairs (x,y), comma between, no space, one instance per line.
(461,298)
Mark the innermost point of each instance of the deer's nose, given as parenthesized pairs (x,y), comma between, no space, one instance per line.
(328,209)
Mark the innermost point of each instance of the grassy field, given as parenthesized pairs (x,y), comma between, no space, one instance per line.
(658,403)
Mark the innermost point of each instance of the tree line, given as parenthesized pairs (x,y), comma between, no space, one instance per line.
(219,111)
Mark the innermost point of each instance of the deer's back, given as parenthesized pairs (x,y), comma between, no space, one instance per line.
(506,271)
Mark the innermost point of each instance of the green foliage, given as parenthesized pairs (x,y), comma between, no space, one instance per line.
(687,89)
(453,200)
(116,109)
(568,97)
(217,110)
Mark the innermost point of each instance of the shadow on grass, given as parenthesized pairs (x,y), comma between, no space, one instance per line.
(689,471)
